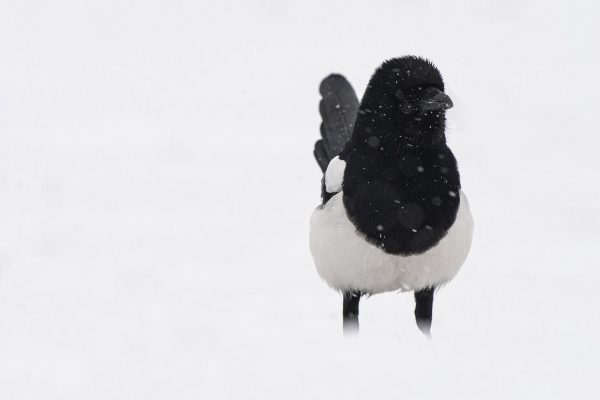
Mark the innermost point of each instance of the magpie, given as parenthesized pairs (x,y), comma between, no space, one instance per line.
(393,216)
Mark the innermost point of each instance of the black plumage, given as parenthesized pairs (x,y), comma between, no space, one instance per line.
(400,186)
(401,181)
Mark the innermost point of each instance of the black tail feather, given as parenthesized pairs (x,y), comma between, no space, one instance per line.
(338,110)
(321,155)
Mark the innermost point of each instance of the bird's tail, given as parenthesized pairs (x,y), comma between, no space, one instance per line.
(338,110)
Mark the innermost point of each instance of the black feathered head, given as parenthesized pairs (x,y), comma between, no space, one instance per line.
(404,106)
(408,72)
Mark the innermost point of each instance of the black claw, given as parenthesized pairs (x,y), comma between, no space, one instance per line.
(425,326)
(350,326)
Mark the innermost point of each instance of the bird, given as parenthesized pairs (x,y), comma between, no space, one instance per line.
(393,216)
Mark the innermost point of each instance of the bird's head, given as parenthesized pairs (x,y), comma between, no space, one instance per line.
(404,105)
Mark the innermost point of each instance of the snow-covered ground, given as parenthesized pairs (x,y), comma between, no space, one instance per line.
(157,178)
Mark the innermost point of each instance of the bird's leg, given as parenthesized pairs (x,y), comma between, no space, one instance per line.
(424,308)
(350,311)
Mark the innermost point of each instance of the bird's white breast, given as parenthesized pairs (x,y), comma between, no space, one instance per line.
(347,261)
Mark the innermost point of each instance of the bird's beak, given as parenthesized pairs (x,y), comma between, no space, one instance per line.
(434,99)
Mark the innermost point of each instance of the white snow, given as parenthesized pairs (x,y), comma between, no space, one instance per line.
(157,180)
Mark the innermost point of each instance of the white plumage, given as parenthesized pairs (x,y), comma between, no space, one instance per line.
(346,261)
(334,175)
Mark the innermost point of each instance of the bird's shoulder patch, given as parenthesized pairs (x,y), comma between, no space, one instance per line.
(334,175)
(331,184)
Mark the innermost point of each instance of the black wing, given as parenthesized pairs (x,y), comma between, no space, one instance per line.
(338,110)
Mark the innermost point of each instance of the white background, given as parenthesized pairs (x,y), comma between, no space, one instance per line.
(157,178)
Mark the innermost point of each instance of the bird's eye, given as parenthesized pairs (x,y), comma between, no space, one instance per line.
(399,94)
